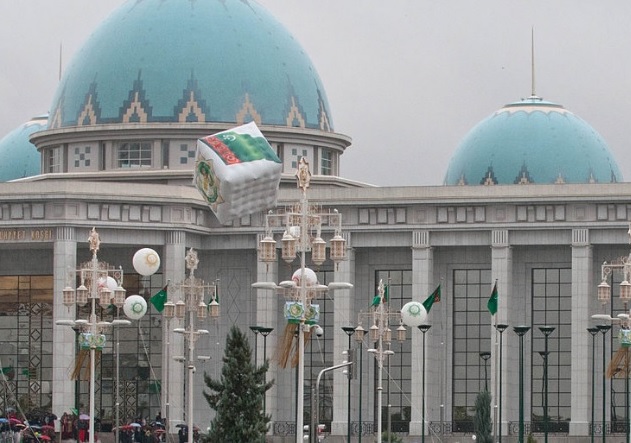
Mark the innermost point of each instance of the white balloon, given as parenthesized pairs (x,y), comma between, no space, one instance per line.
(146,261)
(413,314)
(135,307)
(310,277)
(110,282)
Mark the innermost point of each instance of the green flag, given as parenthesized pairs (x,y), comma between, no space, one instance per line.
(378,299)
(492,303)
(7,369)
(434,297)
(159,299)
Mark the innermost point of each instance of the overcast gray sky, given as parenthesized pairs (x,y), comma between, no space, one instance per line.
(406,79)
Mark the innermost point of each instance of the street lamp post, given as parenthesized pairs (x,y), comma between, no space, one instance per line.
(622,264)
(381,335)
(349,330)
(593,331)
(359,338)
(192,292)
(603,329)
(423,329)
(265,331)
(500,328)
(521,331)
(94,278)
(301,223)
(485,355)
(546,331)
(256,330)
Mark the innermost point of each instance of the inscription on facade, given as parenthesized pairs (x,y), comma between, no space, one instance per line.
(25,235)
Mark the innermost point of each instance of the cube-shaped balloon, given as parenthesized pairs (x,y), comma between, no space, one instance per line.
(237,172)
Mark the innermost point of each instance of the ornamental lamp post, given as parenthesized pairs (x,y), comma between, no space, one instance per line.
(265,331)
(593,331)
(381,335)
(190,306)
(96,282)
(303,229)
(485,355)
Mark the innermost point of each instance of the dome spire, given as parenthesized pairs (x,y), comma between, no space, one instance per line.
(533,93)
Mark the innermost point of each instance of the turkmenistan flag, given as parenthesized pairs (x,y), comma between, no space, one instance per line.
(379,299)
(434,297)
(7,369)
(158,300)
(492,303)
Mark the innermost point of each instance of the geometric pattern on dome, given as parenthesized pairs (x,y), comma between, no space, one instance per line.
(489,178)
(523,178)
(136,109)
(191,108)
(532,141)
(90,112)
(185,61)
(324,118)
(248,112)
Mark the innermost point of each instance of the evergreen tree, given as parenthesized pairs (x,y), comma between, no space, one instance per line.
(237,396)
(482,421)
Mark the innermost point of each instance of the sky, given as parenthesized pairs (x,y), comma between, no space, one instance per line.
(405,79)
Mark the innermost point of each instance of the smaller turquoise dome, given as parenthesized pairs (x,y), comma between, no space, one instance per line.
(532,141)
(20,158)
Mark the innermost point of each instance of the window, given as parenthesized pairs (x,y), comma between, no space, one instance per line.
(551,306)
(471,336)
(326,162)
(53,160)
(134,154)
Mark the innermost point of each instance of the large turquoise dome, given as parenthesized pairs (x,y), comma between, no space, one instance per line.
(191,61)
(532,141)
(19,158)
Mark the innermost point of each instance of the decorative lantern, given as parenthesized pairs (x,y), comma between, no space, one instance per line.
(289,247)
(318,251)
(338,248)
(180,309)
(105,297)
(69,296)
(625,291)
(202,310)
(119,296)
(82,295)
(213,307)
(267,250)
(604,292)
(401,332)
(169,310)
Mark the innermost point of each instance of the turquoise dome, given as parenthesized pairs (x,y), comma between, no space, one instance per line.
(20,158)
(191,61)
(532,141)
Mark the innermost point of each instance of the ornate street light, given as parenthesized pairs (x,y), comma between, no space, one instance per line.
(604,329)
(94,277)
(265,331)
(192,291)
(359,338)
(303,228)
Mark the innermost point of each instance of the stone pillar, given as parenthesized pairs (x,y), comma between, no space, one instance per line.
(344,316)
(423,284)
(582,286)
(502,273)
(173,372)
(64,338)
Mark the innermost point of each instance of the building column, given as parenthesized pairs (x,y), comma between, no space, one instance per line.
(582,285)
(64,338)
(422,285)
(173,372)
(344,316)
(502,272)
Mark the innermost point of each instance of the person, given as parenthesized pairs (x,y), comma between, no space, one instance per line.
(159,417)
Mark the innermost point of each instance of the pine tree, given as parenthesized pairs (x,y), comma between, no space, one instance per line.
(237,396)
(482,420)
